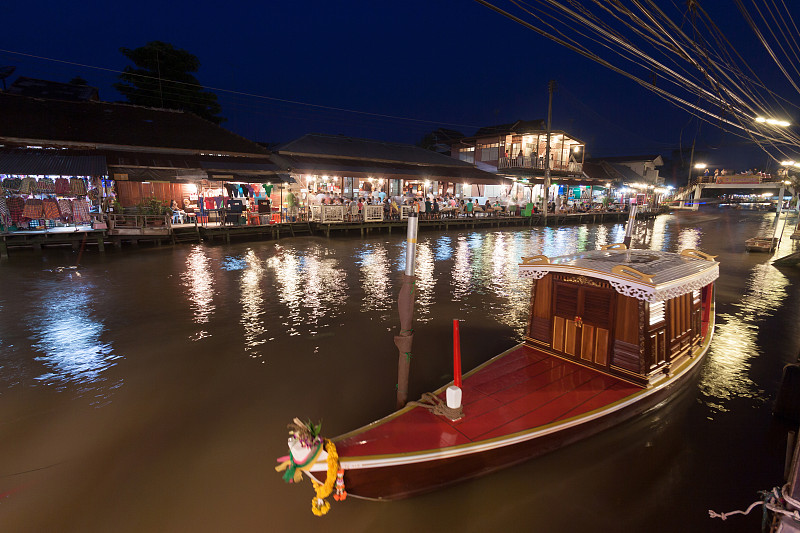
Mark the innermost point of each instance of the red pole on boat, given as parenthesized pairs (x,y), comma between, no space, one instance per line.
(456,355)
(453,392)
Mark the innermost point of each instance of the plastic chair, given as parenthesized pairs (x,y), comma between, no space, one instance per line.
(528,211)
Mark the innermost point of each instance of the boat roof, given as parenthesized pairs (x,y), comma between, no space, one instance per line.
(649,275)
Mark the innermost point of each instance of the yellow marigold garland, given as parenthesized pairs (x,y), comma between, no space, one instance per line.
(319,506)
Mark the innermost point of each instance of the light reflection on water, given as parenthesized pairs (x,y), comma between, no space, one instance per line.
(734,346)
(198,278)
(425,282)
(375,278)
(461,271)
(312,286)
(252,300)
(69,337)
(689,238)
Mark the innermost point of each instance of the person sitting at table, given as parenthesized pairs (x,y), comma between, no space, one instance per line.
(178,214)
(435,208)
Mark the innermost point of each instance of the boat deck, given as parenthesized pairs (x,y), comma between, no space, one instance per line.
(520,390)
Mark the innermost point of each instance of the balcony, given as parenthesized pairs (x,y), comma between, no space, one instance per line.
(533,163)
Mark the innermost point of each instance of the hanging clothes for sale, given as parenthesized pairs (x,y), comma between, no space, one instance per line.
(16,206)
(77,186)
(12,184)
(62,187)
(50,208)
(28,186)
(33,209)
(80,211)
(46,186)
(65,208)
(5,214)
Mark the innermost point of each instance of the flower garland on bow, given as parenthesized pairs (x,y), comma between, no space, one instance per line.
(319,505)
(308,434)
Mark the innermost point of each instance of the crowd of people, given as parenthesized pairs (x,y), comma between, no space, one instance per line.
(430,207)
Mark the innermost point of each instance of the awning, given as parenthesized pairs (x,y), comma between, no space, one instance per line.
(246,172)
(176,175)
(222,175)
(47,163)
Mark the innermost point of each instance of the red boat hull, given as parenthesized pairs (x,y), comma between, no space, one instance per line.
(420,475)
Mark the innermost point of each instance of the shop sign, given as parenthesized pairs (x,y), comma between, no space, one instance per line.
(748,179)
(120,177)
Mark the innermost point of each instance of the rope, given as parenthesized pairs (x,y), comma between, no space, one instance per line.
(437,406)
(774,500)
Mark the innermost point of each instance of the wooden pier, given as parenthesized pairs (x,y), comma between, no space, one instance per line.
(118,235)
(75,239)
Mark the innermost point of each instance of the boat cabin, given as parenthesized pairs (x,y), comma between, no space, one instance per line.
(632,314)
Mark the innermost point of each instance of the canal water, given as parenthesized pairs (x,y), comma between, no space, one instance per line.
(149,389)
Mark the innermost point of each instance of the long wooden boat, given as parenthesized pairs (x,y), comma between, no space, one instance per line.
(761,244)
(612,333)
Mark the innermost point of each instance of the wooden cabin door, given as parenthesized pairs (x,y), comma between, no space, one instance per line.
(582,318)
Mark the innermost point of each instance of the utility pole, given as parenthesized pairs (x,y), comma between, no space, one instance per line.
(551,86)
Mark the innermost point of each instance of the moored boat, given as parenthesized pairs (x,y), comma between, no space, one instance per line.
(611,334)
(761,244)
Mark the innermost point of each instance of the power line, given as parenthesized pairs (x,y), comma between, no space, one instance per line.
(241,93)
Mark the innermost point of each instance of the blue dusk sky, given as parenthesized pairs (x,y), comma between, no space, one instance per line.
(442,63)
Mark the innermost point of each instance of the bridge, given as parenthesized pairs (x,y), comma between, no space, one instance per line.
(691,197)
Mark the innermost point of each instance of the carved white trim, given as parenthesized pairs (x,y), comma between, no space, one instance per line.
(530,273)
(648,294)
(634,288)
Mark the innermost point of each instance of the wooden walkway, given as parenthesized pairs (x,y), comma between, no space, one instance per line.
(192,233)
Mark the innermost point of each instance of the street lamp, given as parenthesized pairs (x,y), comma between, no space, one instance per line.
(773,122)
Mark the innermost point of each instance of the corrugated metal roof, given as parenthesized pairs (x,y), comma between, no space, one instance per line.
(315,144)
(518,127)
(53,89)
(52,163)
(103,123)
(389,170)
(223,164)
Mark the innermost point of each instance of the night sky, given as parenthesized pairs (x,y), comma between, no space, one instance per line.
(445,63)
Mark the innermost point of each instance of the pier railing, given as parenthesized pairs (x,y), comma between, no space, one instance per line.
(373,213)
(327,214)
(119,221)
(536,163)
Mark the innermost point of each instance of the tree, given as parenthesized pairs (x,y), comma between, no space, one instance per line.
(162,77)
